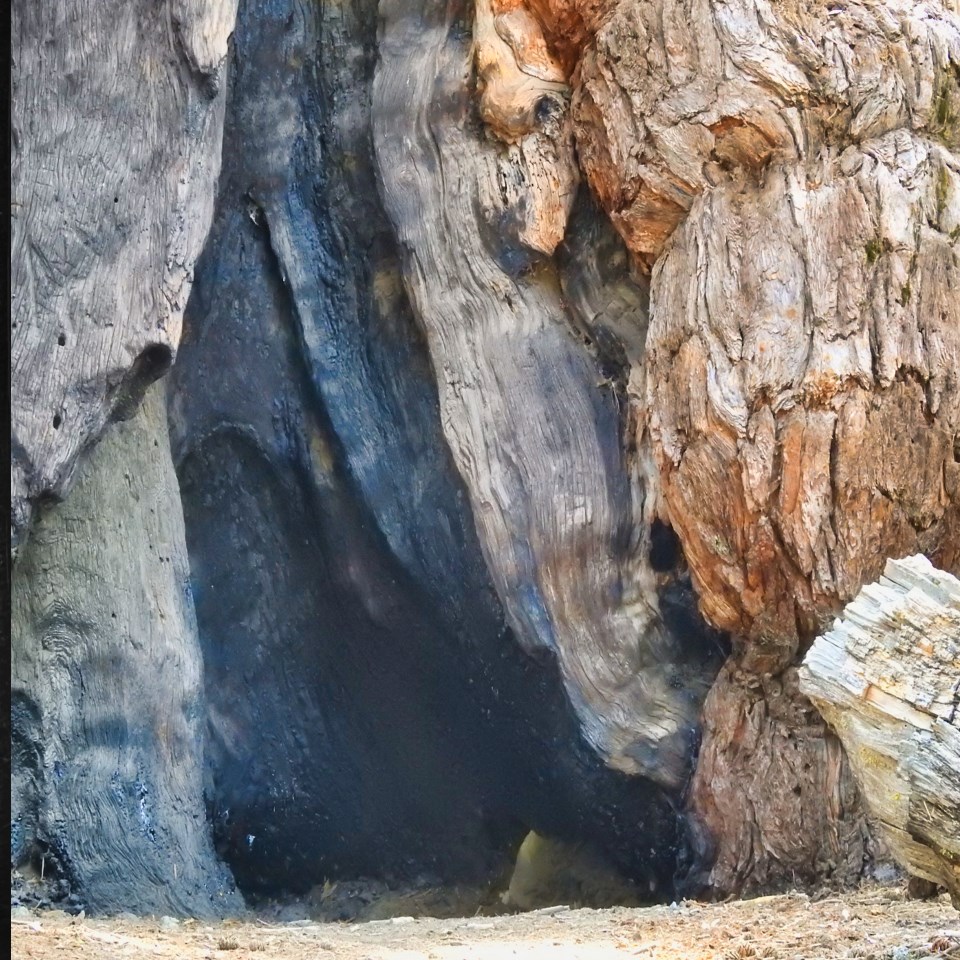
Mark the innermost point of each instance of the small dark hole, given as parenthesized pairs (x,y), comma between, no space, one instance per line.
(665,549)
(545,109)
(154,361)
(62,340)
(151,364)
(57,420)
(116,199)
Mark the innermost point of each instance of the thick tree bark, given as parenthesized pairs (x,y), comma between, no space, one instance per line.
(790,174)
(827,416)
(773,801)
(107,689)
(502,299)
(116,126)
(887,680)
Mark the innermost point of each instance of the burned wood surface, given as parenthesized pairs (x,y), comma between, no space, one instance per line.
(108,709)
(538,348)
(346,613)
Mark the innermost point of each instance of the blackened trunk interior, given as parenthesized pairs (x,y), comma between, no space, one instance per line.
(370,714)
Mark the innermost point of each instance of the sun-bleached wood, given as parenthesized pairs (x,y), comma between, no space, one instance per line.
(117,120)
(560,508)
(887,679)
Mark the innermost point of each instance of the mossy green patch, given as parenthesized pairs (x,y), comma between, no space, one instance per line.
(946,109)
(942,195)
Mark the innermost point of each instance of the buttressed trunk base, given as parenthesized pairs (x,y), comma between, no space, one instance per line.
(548,374)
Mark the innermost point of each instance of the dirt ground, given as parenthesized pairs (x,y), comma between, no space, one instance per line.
(870,924)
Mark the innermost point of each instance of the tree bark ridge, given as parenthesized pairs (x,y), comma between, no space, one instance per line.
(107,689)
(116,127)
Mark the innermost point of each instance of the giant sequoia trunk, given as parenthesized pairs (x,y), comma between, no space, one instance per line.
(536,349)
(116,128)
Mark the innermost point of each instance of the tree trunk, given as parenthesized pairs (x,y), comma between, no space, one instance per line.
(561,510)
(887,680)
(116,126)
(116,130)
(107,689)
(520,320)
(790,173)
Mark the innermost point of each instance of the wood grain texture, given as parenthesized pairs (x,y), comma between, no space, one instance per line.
(523,100)
(781,390)
(788,172)
(887,679)
(116,126)
(560,511)
(107,689)
(369,711)
(677,96)
(813,374)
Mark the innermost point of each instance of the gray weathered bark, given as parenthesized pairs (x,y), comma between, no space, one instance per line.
(561,510)
(107,688)
(117,123)
(116,126)
(887,680)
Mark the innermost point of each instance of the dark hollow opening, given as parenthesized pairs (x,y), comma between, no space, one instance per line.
(371,715)
(150,365)
(666,552)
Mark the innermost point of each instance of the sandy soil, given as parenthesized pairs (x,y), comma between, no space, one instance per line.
(870,924)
